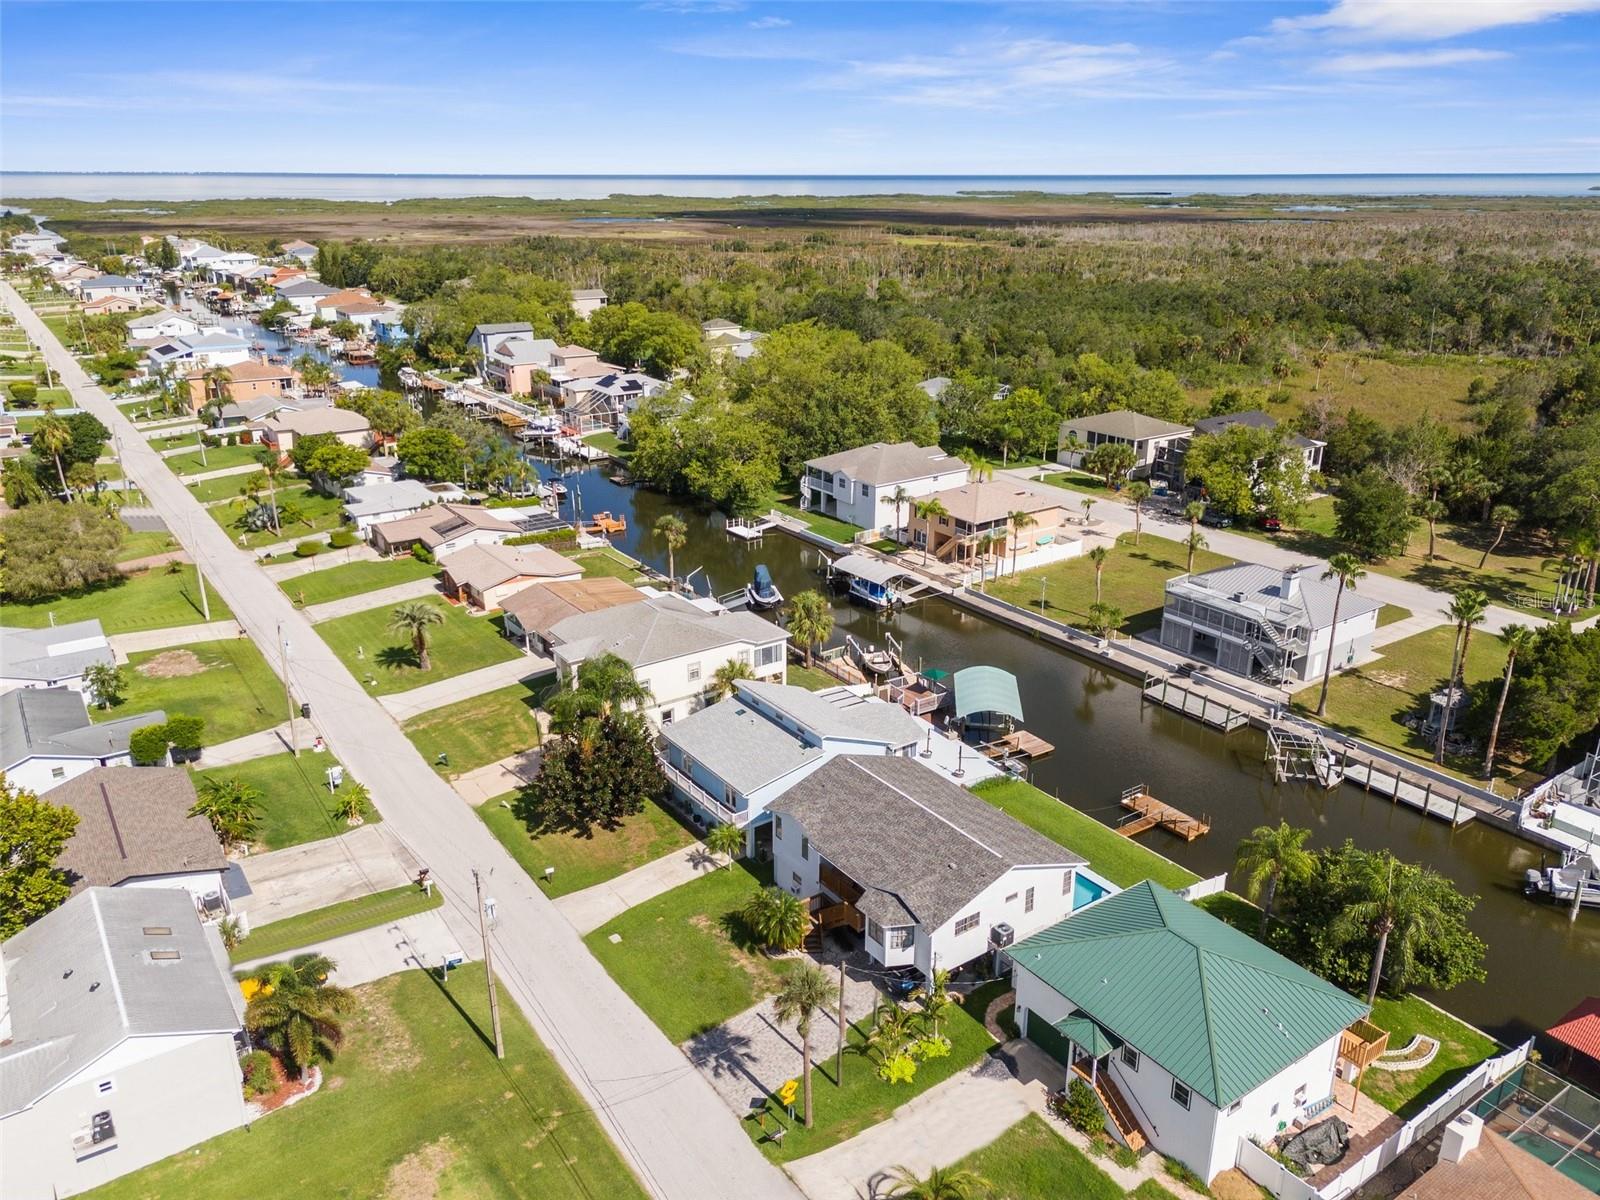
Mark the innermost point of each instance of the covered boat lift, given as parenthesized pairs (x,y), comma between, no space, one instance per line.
(986,698)
(872,581)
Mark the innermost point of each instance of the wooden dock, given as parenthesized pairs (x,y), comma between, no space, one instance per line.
(1150,813)
(1018,743)
(1209,706)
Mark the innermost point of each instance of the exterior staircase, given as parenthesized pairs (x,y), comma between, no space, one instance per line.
(1116,1106)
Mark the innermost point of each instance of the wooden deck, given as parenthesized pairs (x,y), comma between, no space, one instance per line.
(1150,813)
(1018,742)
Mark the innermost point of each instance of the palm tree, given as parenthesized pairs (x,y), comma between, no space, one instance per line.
(351,801)
(727,676)
(805,992)
(1104,619)
(941,1183)
(899,498)
(979,468)
(1432,510)
(1502,516)
(1348,570)
(1195,541)
(1087,504)
(1020,520)
(1138,491)
(726,840)
(929,510)
(414,618)
(1267,857)
(215,387)
(1518,639)
(230,805)
(1098,557)
(605,687)
(1192,512)
(53,436)
(1396,907)
(671,529)
(936,998)
(296,1011)
(985,546)
(810,620)
(271,467)
(779,920)
(1468,609)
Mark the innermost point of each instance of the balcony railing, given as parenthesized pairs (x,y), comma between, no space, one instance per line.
(699,795)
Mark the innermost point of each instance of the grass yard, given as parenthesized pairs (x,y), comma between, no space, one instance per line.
(217,457)
(154,599)
(480,730)
(1460,1048)
(383,657)
(415,1105)
(840,531)
(277,938)
(1082,481)
(582,862)
(1390,613)
(610,443)
(318,515)
(810,678)
(142,545)
(608,561)
(338,580)
(685,956)
(1134,580)
(296,805)
(227,682)
(1121,860)
(223,487)
(1369,701)
(844,1109)
(1031,1161)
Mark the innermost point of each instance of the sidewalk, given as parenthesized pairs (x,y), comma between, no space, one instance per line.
(402,706)
(422,941)
(255,745)
(510,773)
(360,552)
(345,605)
(220,473)
(594,906)
(124,644)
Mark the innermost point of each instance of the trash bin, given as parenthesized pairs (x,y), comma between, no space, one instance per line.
(305,711)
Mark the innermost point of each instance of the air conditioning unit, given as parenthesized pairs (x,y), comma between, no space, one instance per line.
(1001,935)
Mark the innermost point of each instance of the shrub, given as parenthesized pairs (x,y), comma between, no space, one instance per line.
(148,745)
(259,1077)
(1124,1157)
(340,538)
(186,733)
(1186,1177)
(24,393)
(556,539)
(421,553)
(1080,1109)
(308,549)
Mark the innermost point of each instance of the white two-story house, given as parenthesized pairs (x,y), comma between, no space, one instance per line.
(858,485)
(164,324)
(929,874)
(1193,1034)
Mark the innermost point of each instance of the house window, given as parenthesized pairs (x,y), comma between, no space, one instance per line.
(1027,901)
(1130,1058)
(1300,1095)
(900,937)
(767,656)
(805,849)
(1234,1107)
(874,932)
(666,716)
(694,672)
(730,798)
(1180,1093)
(165,955)
(795,876)
(58,772)
(967,924)
(777,826)
(863,489)
(1011,899)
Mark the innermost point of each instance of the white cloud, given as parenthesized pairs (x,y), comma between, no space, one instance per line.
(1404,60)
(770,23)
(1422,20)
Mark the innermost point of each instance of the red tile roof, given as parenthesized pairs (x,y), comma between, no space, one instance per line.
(1580,1028)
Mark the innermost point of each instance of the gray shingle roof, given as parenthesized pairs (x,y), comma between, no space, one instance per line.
(662,628)
(482,566)
(739,745)
(921,845)
(26,653)
(506,327)
(110,281)
(1254,418)
(888,462)
(837,712)
(1123,424)
(80,981)
(303,288)
(54,722)
(135,821)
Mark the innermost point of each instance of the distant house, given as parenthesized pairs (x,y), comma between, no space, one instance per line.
(102,286)
(483,336)
(122,1030)
(1157,445)
(373,502)
(1260,622)
(301,251)
(248,380)
(441,529)
(233,415)
(935,387)
(135,830)
(199,351)
(281,431)
(723,339)
(856,486)
(327,307)
(484,575)
(532,612)
(587,301)
(674,647)
(606,400)
(1310,449)
(46,737)
(388,328)
(932,876)
(985,508)
(56,656)
(163,323)
(110,304)
(510,362)
(382,468)
(1194,1034)
(217,264)
(302,295)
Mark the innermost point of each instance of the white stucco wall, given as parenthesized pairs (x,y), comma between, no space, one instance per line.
(38,774)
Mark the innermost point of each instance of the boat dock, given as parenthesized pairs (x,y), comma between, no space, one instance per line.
(1149,813)
(749,529)
(1208,706)
(1019,743)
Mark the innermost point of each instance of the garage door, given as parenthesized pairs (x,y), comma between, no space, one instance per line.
(1048,1038)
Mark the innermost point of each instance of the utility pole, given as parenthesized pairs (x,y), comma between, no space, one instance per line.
(488,967)
(205,602)
(838,1062)
(283,651)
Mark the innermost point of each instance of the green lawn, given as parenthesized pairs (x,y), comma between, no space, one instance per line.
(810,678)
(1390,613)
(383,657)
(216,458)
(318,515)
(582,862)
(1370,700)
(1031,1161)
(685,956)
(1121,860)
(1080,481)
(608,561)
(141,545)
(227,682)
(1460,1048)
(338,580)
(610,443)
(840,531)
(154,599)
(843,1109)
(223,487)
(416,1105)
(348,916)
(296,805)
(480,730)
(1134,580)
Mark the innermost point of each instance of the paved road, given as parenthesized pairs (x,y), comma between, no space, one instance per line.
(666,1121)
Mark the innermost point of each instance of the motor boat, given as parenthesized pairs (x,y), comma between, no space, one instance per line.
(1557,884)
(761,592)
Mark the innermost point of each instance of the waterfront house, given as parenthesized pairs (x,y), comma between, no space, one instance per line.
(730,760)
(674,647)
(46,737)
(56,656)
(1157,444)
(388,328)
(327,307)
(532,612)
(511,362)
(162,324)
(984,508)
(302,295)
(70,272)
(484,575)
(1267,624)
(1310,449)
(218,264)
(440,529)
(109,285)
(856,485)
(1194,1034)
(136,829)
(605,401)
(381,468)
(378,501)
(198,351)
(249,380)
(302,252)
(110,304)
(484,336)
(121,1035)
(930,875)
(281,430)
(587,301)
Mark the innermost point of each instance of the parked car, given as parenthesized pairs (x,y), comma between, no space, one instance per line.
(902,981)
(1269,522)
(1213,519)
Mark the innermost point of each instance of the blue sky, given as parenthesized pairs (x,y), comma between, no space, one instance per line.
(684,87)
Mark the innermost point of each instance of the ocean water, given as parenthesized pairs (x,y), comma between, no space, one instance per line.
(158,187)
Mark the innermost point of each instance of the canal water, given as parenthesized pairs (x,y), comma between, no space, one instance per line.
(276,343)
(1106,740)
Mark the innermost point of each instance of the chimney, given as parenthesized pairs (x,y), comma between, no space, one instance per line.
(1289,588)
(1460,1137)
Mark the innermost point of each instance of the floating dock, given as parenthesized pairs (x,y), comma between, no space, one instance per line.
(1017,744)
(749,530)
(1150,813)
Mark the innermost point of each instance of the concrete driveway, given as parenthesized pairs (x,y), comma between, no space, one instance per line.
(285,883)
(422,941)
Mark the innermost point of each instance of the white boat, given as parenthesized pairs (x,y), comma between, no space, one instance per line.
(1557,884)
(761,592)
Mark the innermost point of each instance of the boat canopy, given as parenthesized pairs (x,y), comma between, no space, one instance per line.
(763,579)
(987,689)
(871,569)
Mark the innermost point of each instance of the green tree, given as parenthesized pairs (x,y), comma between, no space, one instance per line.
(1019,520)
(1111,461)
(810,620)
(1347,569)
(1247,469)
(350,802)
(232,806)
(777,919)
(1517,639)
(1098,556)
(414,618)
(1392,903)
(332,465)
(1105,619)
(930,510)
(1555,693)
(726,677)
(899,498)
(940,1183)
(1373,513)
(726,840)
(806,991)
(1139,492)
(1502,517)
(1271,854)
(1432,512)
(58,549)
(605,687)
(670,529)
(1467,609)
(297,1012)
(33,832)
(1191,543)
(52,436)
(597,774)
(432,453)
(106,682)
(1018,419)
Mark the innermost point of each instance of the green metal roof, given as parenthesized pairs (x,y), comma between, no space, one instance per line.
(1088,1034)
(987,689)
(1212,1005)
